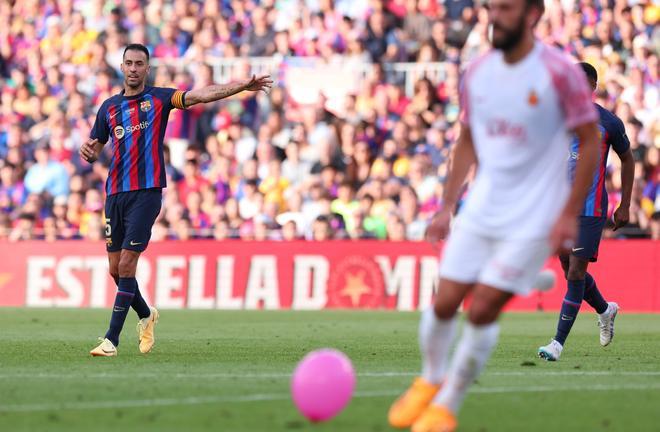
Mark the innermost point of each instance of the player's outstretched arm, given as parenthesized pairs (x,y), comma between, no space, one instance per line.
(463,158)
(622,214)
(564,233)
(216,92)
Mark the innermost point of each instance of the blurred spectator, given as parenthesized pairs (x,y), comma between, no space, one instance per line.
(50,229)
(396,229)
(11,190)
(46,175)
(24,229)
(321,230)
(221,230)
(290,231)
(345,204)
(260,39)
(192,180)
(160,231)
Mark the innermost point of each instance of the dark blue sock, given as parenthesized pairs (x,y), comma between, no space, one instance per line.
(139,305)
(593,296)
(569,309)
(123,300)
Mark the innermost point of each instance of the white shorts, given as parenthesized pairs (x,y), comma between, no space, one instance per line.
(508,265)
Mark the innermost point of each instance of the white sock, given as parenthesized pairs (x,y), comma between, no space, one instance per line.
(435,339)
(473,351)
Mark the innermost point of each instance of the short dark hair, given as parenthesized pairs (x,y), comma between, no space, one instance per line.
(323,218)
(136,47)
(589,71)
(539,4)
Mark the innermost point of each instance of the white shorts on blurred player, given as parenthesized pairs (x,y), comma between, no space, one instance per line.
(510,265)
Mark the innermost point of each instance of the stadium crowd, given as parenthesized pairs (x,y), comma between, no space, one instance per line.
(264,167)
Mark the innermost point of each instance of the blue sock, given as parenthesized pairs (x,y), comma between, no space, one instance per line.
(593,296)
(123,300)
(569,309)
(139,305)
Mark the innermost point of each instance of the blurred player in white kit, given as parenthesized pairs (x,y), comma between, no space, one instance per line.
(520,104)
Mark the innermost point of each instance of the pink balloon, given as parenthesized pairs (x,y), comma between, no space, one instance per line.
(322,384)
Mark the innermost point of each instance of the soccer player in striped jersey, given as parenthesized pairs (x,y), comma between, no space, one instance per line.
(581,285)
(134,121)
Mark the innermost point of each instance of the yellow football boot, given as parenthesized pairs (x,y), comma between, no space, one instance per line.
(145,330)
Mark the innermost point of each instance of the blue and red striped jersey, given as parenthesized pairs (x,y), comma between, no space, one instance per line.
(612,133)
(136,127)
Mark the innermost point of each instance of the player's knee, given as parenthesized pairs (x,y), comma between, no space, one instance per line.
(127,266)
(575,274)
(482,313)
(115,275)
(445,310)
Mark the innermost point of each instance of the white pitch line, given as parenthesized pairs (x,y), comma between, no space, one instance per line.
(202,400)
(574,373)
(279,375)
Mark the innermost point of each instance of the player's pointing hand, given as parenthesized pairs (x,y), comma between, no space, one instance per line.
(261,83)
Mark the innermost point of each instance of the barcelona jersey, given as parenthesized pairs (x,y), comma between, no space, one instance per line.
(136,126)
(612,134)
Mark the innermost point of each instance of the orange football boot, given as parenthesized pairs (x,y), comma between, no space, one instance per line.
(410,405)
(436,418)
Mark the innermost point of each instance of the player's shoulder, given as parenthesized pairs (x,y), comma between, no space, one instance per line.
(479,63)
(557,62)
(554,55)
(608,118)
(162,91)
(109,102)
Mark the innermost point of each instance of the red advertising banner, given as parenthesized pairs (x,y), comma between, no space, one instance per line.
(297,275)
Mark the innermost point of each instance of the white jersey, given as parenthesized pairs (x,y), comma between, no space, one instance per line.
(520,117)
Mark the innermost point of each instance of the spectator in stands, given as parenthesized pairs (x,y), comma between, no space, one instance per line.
(46,175)
(221,230)
(49,230)
(321,230)
(290,231)
(11,188)
(5,226)
(260,39)
(182,229)
(160,230)
(192,180)
(24,229)
(396,228)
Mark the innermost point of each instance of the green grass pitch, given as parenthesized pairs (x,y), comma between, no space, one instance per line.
(229,371)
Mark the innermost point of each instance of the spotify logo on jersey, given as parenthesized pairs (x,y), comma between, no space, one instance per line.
(120,131)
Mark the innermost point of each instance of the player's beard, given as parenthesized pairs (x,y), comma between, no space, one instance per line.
(136,84)
(510,37)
